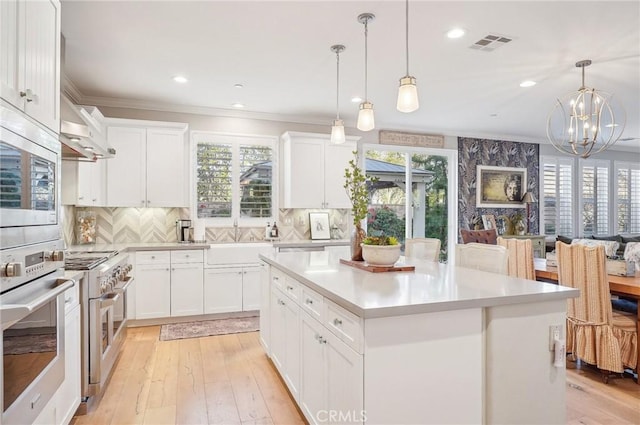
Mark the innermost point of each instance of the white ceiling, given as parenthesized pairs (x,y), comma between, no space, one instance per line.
(126,53)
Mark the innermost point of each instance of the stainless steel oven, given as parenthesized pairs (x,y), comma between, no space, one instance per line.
(29,176)
(33,346)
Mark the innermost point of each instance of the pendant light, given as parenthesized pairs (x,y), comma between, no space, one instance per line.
(585,122)
(408,92)
(365,116)
(337,130)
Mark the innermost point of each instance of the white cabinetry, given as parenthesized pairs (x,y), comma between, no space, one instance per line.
(30,58)
(153,284)
(310,161)
(265,307)
(285,339)
(84,183)
(186,282)
(69,393)
(228,289)
(150,168)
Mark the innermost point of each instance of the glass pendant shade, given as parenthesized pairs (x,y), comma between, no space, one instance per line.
(407,95)
(337,132)
(366,121)
(585,122)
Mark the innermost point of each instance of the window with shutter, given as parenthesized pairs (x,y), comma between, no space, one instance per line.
(627,197)
(557,197)
(594,202)
(234,176)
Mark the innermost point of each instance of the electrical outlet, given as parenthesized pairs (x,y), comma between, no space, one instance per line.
(555,332)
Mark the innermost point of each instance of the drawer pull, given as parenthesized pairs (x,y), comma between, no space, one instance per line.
(280,302)
(276,278)
(289,288)
(337,322)
(321,340)
(309,301)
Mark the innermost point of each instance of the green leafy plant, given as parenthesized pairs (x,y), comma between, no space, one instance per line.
(380,240)
(355,183)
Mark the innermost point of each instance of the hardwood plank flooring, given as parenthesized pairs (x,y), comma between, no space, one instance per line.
(228,380)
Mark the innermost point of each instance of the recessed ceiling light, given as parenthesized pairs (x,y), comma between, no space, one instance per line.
(238,86)
(493,115)
(455,33)
(528,83)
(356,99)
(180,79)
(237,105)
(88,148)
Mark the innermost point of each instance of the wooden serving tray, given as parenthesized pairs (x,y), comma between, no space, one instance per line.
(377,269)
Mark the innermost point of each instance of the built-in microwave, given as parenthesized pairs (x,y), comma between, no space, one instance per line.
(29,176)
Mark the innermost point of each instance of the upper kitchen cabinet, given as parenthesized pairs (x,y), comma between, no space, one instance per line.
(30,58)
(84,183)
(150,167)
(313,171)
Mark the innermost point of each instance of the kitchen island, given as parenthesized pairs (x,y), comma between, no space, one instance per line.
(440,344)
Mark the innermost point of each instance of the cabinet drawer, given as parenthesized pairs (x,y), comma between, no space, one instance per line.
(346,325)
(187,256)
(312,303)
(277,278)
(72,296)
(293,289)
(153,257)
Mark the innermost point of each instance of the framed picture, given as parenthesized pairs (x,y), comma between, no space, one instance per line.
(319,222)
(500,187)
(489,221)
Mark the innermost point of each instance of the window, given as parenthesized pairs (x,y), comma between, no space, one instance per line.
(557,201)
(594,205)
(627,196)
(234,177)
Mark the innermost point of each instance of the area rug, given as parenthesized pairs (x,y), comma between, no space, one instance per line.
(32,343)
(209,328)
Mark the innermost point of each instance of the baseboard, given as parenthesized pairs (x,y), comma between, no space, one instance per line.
(166,320)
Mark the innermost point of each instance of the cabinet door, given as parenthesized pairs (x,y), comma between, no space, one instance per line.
(166,168)
(41,62)
(153,291)
(278,330)
(91,183)
(336,159)
(69,393)
(313,395)
(9,53)
(186,289)
(345,379)
(292,347)
(222,290)
(303,173)
(265,308)
(126,171)
(251,288)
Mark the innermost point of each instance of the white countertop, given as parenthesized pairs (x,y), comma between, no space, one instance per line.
(431,287)
(308,242)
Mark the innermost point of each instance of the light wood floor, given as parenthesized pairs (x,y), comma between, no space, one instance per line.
(228,380)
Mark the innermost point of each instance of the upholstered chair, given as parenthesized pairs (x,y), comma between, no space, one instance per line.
(423,248)
(485,257)
(520,263)
(595,333)
(489,236)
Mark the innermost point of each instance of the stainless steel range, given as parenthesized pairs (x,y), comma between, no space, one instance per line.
(103,297)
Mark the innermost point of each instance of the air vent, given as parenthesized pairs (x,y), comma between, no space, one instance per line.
(491,42)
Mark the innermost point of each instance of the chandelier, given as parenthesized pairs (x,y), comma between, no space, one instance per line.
(585,122)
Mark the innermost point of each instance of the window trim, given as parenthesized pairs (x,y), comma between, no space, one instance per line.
(235,140)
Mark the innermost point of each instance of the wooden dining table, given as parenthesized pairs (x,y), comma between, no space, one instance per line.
(627,286)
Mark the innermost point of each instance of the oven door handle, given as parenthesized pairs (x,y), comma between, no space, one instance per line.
(124,287)
(109,299)
(13,313)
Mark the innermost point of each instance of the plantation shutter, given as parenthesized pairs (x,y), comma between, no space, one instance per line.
(557,197)
(627,197)
(595,197)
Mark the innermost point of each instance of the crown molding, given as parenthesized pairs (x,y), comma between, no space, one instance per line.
(70,90)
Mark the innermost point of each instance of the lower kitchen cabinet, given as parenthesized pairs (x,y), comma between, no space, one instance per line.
(69,392)
(230,289)
(265,308)
(285,339)
(187,283)
(153,284)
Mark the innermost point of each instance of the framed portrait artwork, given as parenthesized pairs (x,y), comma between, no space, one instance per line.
(500,187)
(319,222)
(489,222)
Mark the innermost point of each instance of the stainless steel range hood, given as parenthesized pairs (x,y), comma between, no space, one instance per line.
(82,134)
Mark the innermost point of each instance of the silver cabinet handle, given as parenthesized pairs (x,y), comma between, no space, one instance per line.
(337,322)
(309,301)
(321,340)
(27,94)
(280,302)
(276,278)
(289,288)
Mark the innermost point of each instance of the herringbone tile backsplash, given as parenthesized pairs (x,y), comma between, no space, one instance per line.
(130,225)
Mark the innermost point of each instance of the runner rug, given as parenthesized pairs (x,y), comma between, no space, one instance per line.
(209,328)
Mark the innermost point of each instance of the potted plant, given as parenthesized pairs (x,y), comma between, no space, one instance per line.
(355,183)
(380,250)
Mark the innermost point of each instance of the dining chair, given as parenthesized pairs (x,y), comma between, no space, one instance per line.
(595,333)
(488,258)
(520,254)
(489,236)
(424,248)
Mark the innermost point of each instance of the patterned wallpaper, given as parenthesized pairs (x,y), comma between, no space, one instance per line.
(473,152)
(127,225)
